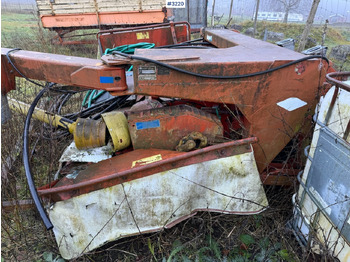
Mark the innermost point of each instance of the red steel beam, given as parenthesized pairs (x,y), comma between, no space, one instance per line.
(68,70)
(118,169)
(106,18)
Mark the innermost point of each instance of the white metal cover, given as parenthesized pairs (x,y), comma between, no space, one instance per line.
(227,185)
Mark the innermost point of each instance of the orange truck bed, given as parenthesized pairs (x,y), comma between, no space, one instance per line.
(56,14)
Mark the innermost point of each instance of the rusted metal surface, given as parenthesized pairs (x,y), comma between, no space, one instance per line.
(8,82)
(160,35)
(67,16)
(228,185)
(166,186)
(257,97)
(89,20)
(89,133)
(76,71)
(125,167)
(332,78)
(164,127)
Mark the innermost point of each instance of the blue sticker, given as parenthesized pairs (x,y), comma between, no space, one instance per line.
(106,79)
(148,124)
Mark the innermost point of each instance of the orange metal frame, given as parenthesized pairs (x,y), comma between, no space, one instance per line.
(159,34)
(89,20)
(256,97)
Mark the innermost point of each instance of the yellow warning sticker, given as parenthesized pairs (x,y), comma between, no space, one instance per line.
(142,35)
(146,160)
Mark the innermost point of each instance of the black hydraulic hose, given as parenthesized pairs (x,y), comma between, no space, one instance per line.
(145,59)
(118,101)
(189,46)
(184,44)
(26,163)
(19,72)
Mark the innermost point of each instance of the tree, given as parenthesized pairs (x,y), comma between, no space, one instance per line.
(309,22)
(288,6)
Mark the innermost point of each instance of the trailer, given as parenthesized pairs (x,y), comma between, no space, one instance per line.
(64,17)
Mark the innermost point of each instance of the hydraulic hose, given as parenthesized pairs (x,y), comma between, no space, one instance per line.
(26,163)
(145,59)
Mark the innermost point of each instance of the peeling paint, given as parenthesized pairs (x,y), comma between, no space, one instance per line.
(94,155)
(227,185)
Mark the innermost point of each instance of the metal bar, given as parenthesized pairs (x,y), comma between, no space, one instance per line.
(149,27)
(331,79)
(151,166)
(42,115)
(331,105)
(173,33)
(69,70)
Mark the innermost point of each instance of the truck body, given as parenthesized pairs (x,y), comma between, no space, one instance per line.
(96,13)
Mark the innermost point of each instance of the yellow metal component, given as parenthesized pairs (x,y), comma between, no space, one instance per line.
(117,126)
(87,133)
(147,160)
(41,115)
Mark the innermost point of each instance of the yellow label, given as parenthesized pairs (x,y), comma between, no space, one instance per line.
(147,160)
(144,35)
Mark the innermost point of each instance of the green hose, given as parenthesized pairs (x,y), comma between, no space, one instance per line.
(129,49)
(91,96)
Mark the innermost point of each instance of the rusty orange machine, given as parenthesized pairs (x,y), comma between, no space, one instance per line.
(216,115)
(65,16)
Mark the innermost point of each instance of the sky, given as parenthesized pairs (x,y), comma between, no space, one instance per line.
(326,8)
(246,7)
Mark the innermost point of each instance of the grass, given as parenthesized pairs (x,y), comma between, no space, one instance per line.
(24,30)
(204,237)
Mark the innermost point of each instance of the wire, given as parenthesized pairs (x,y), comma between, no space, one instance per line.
(214,76)
(119,101)
(188,46)
(183,44)
(26,162)
(19,72)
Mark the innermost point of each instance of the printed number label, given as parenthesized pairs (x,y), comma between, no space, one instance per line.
(176,4)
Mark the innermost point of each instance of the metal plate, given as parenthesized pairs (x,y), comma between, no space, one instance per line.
(331,189)
(228,185)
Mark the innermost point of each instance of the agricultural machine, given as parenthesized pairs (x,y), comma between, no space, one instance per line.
(65,16)
(182,126)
